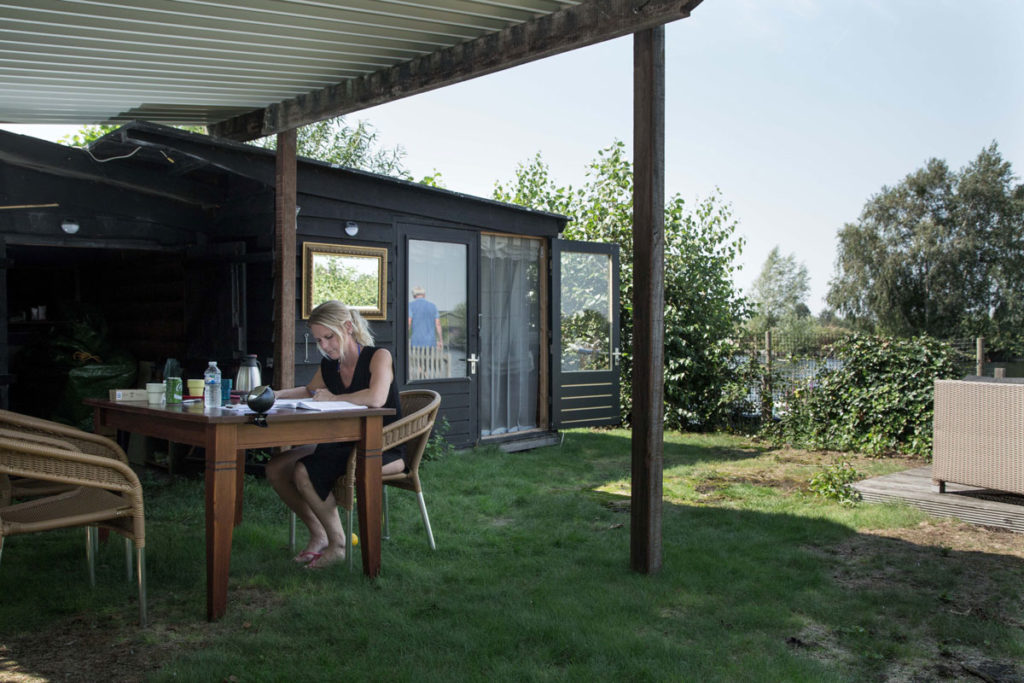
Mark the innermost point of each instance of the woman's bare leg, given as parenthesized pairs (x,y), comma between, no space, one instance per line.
(326,513)
(280,473)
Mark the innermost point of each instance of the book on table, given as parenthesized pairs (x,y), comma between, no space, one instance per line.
(301,404)
(305,404)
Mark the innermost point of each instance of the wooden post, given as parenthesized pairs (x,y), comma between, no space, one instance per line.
(980,357)
(767,399)
(284,261)
(648,298)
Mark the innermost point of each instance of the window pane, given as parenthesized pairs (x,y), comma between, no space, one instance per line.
(586,312)
(436,310)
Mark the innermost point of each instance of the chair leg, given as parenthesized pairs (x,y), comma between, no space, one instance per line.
(291,530)
(141,552)
(1,548)
(426,520)
(348,541)
(90,553)
(387,517)
(128,556)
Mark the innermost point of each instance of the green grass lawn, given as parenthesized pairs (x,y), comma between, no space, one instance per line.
(760,581)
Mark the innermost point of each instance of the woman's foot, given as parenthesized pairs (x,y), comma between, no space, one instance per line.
(325,559)
(312,551)
(305,557)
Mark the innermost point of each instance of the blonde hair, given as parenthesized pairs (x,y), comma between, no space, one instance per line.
(333,315)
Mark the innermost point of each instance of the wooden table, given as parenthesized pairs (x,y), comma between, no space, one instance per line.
(225,435)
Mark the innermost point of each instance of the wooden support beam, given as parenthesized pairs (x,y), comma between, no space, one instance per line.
(648,298)
(284,262)
(568,29)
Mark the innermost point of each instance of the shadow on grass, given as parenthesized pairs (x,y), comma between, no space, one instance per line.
(531,581)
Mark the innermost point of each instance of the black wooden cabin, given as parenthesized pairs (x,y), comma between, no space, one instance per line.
(168,238)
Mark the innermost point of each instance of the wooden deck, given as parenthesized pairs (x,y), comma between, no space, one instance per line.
(967,503)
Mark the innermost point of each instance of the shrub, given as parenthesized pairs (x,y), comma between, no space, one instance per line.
(437,447)
(835,483)
(880,401)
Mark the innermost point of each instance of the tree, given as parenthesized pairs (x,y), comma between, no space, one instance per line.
(702,306)
(330,140)
(86,134)
(780,290)
(335,142)
(941,253)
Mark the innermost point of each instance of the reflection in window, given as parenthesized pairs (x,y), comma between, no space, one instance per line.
(436,310)
(586,312)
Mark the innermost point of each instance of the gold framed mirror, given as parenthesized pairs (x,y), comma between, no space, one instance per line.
(356,276)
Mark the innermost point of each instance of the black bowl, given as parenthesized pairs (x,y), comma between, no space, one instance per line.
(261,399)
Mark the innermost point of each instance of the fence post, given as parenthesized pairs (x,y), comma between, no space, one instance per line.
(981,357)
(766,380)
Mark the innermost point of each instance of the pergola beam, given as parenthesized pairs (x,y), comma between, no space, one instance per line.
(562,31)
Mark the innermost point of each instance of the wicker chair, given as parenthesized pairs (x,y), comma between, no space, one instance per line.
(419,410)
(103,492)
(92,444)
(979,434)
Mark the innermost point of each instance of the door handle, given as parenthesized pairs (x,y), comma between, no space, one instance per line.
(616,356)
(472,360)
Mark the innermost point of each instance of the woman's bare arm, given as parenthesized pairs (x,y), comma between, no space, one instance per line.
(381,376)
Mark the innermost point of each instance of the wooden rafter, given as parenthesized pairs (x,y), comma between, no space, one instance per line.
(562,31)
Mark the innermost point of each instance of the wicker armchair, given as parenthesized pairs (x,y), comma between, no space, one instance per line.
(104,492)
(66,435)
(419,410)
(979,434)
(86,442)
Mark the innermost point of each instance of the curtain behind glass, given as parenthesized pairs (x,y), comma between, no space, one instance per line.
(509,333)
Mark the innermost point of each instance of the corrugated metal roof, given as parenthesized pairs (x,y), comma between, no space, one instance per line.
(203,61)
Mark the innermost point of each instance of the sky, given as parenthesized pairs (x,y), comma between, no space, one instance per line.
(795,111)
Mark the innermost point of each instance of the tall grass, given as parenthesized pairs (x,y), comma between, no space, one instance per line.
(531,580)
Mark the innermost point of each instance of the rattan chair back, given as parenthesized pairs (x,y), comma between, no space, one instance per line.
(102,491)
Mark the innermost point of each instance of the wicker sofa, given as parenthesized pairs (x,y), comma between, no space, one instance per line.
(979,434)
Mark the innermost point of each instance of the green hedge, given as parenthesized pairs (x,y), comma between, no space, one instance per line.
(879,402)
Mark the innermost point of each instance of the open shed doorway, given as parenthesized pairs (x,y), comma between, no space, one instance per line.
(66,307)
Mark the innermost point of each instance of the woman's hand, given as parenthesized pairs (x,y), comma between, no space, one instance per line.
(324,395)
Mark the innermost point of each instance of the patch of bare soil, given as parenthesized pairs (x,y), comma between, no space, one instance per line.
(85,649)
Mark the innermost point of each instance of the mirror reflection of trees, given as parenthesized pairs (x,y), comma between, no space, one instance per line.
(345,279)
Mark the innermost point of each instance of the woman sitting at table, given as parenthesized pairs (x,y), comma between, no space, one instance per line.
(352,370)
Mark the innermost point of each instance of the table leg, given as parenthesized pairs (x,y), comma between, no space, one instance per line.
(368,493)
(221,495)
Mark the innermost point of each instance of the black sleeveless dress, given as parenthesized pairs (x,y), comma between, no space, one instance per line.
(330,460)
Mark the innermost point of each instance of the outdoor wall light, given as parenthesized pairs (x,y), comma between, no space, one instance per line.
(70,227)
(351,228)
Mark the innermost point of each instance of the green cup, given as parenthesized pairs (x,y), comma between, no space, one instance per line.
(173,390)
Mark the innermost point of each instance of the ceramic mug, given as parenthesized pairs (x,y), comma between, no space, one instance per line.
(155,392)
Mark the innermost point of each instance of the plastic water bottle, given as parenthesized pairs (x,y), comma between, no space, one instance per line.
(211,382)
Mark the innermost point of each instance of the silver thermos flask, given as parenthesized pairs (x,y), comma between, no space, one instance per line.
(248,374)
